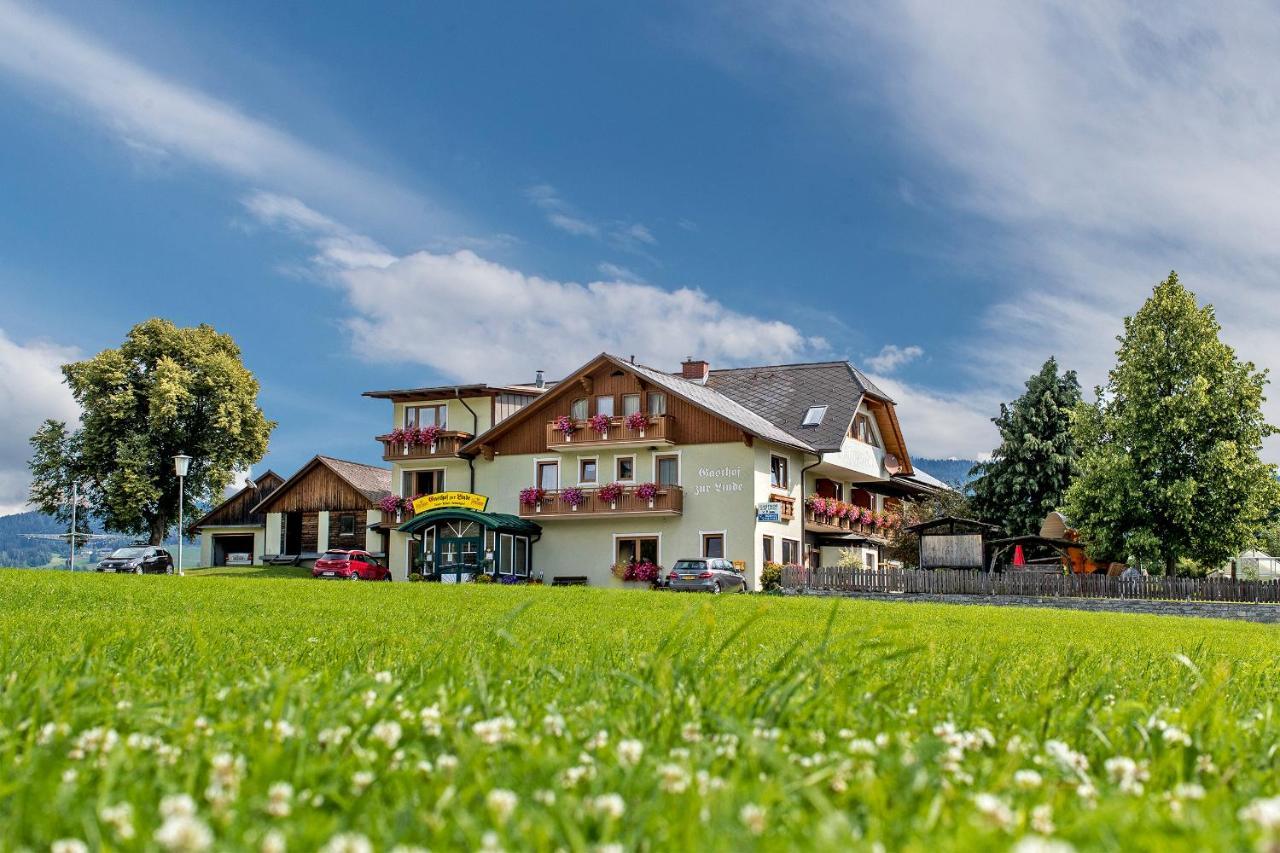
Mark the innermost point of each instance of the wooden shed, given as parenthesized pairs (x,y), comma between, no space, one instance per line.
(233,531)
(328,503)
(953,543)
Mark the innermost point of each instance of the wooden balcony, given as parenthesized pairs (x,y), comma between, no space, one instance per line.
(658,433)
(446,446)
(668,501)
(826,524)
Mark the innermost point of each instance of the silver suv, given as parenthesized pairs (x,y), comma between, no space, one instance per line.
(706,574)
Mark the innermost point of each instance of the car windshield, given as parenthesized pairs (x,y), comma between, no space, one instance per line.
(128,553)
(690,566)
(336,555)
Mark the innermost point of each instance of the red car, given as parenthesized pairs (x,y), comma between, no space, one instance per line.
(350,566)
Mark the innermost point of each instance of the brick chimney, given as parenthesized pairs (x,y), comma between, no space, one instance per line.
(695,370)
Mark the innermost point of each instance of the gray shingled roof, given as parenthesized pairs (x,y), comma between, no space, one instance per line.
(721,404)
(783,393)
(369,480)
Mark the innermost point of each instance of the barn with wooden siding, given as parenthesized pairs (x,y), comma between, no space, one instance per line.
(328,503)
(233,532)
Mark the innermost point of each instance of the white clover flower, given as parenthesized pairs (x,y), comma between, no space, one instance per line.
(571,776)
(1038,844)
(1265,812)
(611,806)
(280,799)
(545,797)
(183,834)
(673,778)
(283,729)
(630,752)
(501,803)
(446,763)
(753,818)
(273,842)
(495,731)
(1205,765)
(1027,779)
(68,845)
(69,775)
(347,842)
(362,779)
(862,746)
(994,810)
(431,718)
(1042,819)
(1066,757)
(120,818)
(708,783)
(599,740)
(691,732)
(177,805)
(489,843)
(1127,774)
(553,724)
(387,731)
(1175,735)
(382,677)
(1189,791)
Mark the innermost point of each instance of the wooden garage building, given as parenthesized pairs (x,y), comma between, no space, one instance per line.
(235,529)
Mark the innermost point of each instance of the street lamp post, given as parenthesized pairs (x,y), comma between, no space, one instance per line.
(180,465)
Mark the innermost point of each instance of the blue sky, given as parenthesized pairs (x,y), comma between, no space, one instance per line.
(417,194)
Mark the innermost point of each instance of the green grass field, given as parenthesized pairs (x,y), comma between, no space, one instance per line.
(297,715)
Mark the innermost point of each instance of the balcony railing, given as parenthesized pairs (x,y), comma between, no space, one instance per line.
(446,445)
(658,431)
(830,524)
(669,500)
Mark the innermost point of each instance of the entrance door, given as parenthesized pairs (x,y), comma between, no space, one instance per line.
(458,550)
(293,533)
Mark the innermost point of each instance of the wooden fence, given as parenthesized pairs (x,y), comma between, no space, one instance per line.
(950,582)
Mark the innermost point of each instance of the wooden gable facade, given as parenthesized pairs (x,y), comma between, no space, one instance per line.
(886,416)
(316,488)
(527,431)
(240,509)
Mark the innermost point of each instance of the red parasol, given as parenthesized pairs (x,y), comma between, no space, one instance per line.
(1019,559)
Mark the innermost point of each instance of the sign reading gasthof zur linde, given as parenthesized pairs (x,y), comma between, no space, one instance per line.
(450,500)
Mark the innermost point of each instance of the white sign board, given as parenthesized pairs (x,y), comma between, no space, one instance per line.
(769,511)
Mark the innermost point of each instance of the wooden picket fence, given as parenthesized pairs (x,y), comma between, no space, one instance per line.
(953,582)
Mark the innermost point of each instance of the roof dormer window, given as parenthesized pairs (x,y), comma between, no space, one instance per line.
(814,416)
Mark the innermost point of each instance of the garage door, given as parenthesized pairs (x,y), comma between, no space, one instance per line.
(233,550)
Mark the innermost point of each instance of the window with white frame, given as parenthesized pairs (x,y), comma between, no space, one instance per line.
(548,475)
(666,469)
(422,416)
(779,477)
(713,545)
(604,405)
(588,470)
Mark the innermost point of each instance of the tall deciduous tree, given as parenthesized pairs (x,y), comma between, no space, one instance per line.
(166,390)
(1030,471)
(1169,463)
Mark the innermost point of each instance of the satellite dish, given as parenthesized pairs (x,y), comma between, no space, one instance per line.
(891,463)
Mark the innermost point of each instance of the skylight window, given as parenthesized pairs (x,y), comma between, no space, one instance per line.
(814,416)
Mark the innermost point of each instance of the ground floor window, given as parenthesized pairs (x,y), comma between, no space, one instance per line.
(768,549)
(870,561)
(637,549)
(790,551)
(713,545)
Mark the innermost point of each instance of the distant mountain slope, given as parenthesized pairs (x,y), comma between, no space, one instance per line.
(18,551)
(950,471)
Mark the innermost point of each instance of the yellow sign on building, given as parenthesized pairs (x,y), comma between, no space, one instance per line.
(450,500)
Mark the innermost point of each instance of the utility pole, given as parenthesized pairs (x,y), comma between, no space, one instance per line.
(74,500)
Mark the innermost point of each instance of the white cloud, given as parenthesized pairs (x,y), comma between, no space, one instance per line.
(630,236)
(892,356)
(159,117)
(503,324)
(1108,141)
(937,424)
(614,272)
(31,391)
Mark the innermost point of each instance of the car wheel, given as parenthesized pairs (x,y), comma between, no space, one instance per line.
(354,576)
(715,588)
(137,570)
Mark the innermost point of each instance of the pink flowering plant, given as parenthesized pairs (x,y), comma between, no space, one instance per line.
(427,435)
(637,421)
(866,517)
(532,496)
(645,570)
(399,435)
(647,491)
(610,492)
(599,423)
(390,505)
(573,496)
(565,425)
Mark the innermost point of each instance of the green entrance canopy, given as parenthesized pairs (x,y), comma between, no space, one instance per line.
(491,520)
